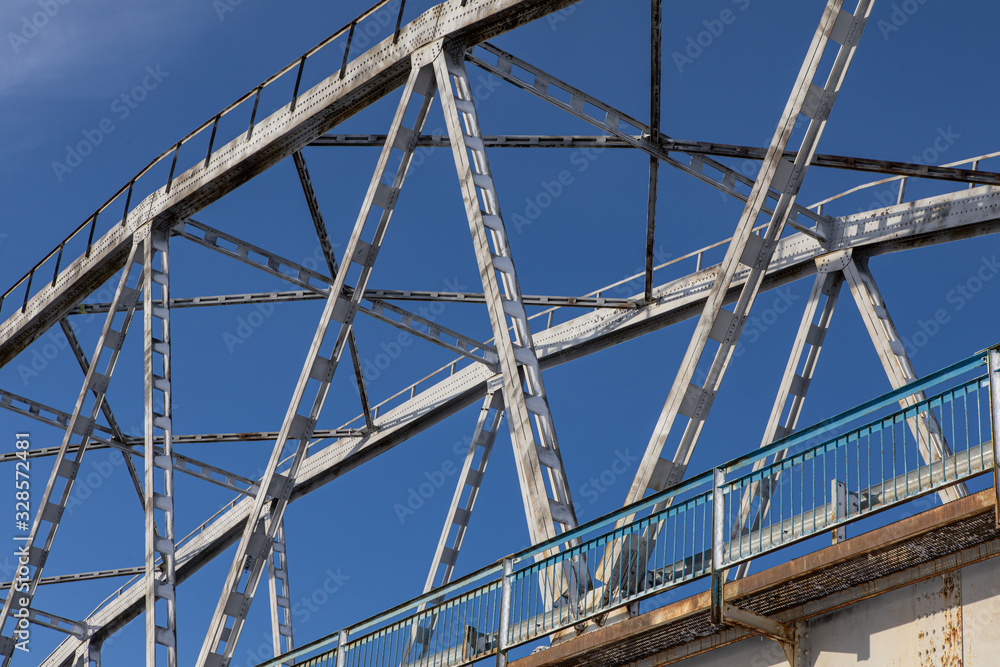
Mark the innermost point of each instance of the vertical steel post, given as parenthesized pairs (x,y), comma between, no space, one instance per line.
(750,253)
(898,368)
(161,606)
(342,649)
(67,464)
(718,542)
(994,366)
(281,604)
(317,373)
(655,41)
(503,630)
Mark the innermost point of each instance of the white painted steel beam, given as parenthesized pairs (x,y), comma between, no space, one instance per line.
(161,580)
(964,214)
(456,522)
(898,367)
(548,509)
(551,301)
(613,121)
(317,373)
(57,491)
(747,249)
(368,78)
(280,594)
(795,381)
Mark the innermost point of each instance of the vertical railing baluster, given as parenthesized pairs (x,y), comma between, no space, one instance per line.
(55,274)
(173,165)
(503,627)
(211,139)
(128,200)
(718,535)
(27,291)
(399,21)
(298,80)
(342,649)
(994,375)
(347,49)
(253,114)
(90,237)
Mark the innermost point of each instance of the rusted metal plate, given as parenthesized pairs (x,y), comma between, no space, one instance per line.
(937,604)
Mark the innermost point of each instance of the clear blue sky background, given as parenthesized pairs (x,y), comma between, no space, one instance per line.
(922,88)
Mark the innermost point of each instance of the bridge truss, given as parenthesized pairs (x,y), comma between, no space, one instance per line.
(120,268)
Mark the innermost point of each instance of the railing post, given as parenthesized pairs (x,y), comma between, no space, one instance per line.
(342,649)
(253,114)
(504,626)
(298,80)
(173,165)
(399,20)
(718,540)
(994,369)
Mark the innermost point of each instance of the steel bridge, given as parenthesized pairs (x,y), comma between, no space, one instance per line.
(579,586)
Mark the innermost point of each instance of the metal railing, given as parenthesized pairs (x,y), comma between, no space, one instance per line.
(901,193)
(130,191)
(825,477)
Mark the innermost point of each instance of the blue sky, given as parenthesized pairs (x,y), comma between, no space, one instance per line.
(921,88)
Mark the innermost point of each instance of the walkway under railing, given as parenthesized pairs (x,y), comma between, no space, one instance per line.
(832,474)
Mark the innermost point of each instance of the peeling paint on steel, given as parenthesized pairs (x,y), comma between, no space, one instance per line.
(938,608)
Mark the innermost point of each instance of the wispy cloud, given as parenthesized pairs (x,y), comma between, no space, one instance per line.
(76,48)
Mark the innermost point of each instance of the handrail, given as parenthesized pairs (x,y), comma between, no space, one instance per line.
(541,569)
(174,149)
(972,160)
